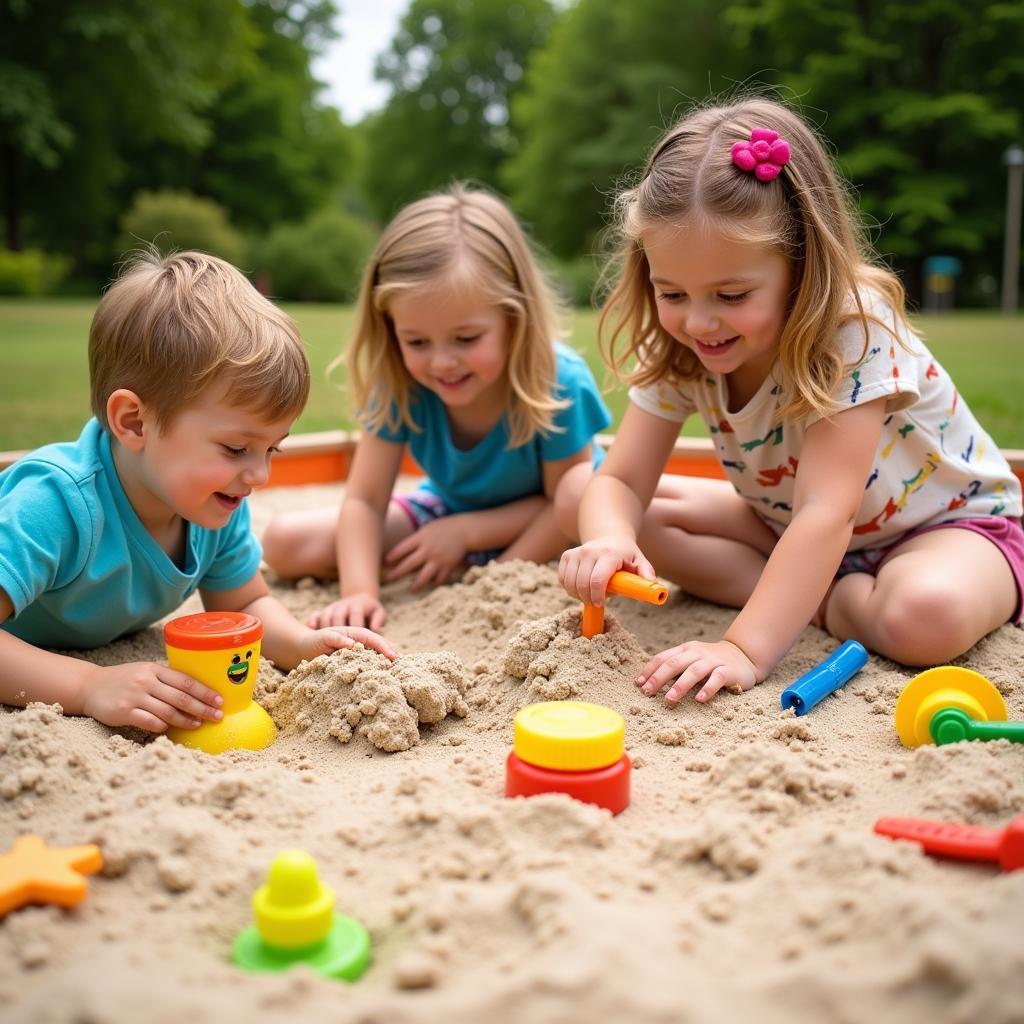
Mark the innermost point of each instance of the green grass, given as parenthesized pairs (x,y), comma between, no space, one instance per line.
(44,389)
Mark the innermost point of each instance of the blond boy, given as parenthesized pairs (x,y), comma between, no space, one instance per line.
(195,380)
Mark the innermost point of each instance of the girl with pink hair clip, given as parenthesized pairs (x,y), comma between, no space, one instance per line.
(862,494)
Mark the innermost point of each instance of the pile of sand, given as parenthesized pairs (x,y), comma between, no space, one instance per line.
(744,879)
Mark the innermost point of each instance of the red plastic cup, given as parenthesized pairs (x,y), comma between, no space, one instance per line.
(606,787)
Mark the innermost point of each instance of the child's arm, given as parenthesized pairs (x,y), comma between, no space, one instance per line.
(834,464)
(286,641)
(146,695)
(525,528)
(359,540)
(614,503)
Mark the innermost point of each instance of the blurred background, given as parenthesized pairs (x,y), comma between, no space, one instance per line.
(281,135)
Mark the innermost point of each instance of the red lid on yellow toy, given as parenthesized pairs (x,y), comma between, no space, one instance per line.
(213,631)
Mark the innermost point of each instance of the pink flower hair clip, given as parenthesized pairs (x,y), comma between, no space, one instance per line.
(764,155)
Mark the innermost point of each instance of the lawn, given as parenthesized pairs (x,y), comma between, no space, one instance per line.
(44,391)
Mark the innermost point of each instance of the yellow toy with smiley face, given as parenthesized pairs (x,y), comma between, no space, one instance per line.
(222,651)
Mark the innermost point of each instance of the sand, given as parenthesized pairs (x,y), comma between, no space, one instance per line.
(743,882)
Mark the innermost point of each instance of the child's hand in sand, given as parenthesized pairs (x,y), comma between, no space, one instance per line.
(343,638)
(584,572)
(149,696)
(354,610)
(722,665)
(436,550)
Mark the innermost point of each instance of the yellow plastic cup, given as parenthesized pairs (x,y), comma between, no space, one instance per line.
(222,651)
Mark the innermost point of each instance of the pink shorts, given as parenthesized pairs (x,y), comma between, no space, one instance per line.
(1007,535)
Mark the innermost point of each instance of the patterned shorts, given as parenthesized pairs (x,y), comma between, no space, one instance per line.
(423,506)
(1006,533)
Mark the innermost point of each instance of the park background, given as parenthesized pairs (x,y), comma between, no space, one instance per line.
(202,123)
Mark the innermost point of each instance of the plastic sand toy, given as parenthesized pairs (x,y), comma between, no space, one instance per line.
(1002,846)
(222,651)
(32,872)
(948,704)
(295,923)
(624,584)
(570,747)
(835,671)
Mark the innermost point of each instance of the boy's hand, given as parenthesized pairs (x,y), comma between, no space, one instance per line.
(354,610)
(343,638)
(584,572)
(437,550)
(722,665)
(149,696)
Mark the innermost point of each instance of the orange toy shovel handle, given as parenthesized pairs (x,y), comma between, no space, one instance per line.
(622,584)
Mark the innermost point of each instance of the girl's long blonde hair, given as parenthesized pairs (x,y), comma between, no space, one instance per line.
(806,213)
(462,236)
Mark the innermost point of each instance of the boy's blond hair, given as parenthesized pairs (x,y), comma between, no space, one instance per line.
(460,237)
(171,326)
(806,213)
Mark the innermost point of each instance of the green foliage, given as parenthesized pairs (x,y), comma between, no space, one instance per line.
(30,272)
(454,68)
(320,259)
(598,96)
(80,77)
(179,220)
(920,99)
(576,279)
(275,154)
(102,99)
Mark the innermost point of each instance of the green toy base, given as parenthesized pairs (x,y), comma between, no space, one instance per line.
(249,729)
(344,953)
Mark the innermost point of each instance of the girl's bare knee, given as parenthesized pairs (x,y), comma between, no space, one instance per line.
(274,541)
(925,623)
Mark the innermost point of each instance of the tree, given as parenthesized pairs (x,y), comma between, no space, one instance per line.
(454,67)
(920,99)
(274,153)
(597,97)
(77,77)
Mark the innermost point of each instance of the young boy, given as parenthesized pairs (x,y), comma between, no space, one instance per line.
(195,379)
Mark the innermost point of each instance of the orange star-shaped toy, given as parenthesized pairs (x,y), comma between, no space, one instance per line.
(31,872)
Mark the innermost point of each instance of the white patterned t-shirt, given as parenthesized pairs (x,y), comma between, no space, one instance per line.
(934,461)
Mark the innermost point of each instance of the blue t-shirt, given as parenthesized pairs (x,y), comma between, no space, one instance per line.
(490,473)
(76,561)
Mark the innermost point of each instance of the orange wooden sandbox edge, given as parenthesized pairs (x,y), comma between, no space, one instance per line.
(325,457)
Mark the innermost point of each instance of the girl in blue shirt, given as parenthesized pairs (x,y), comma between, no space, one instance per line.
(453,356)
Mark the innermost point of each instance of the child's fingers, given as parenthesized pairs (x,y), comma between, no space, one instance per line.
(186,703)
(424,576)
(694,674)
(377,618)
(720,678)
(189,687)
(411,561)
(372,640)
(604,568)
(643,567)
(142,719)
(168,714)
(402,548)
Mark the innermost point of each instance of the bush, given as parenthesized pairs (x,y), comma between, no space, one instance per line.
(318,260)
(31,272)
(173,221)
(576,280)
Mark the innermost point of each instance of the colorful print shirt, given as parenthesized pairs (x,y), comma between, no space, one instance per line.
(934,461)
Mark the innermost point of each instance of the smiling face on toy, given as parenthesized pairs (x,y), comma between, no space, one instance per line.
(238,670)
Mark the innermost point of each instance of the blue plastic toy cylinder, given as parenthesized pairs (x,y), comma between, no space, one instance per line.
(814,686)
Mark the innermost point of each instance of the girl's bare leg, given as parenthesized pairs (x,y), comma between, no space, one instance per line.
(702,535)
(934,597)
(698,533)
(304,543)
